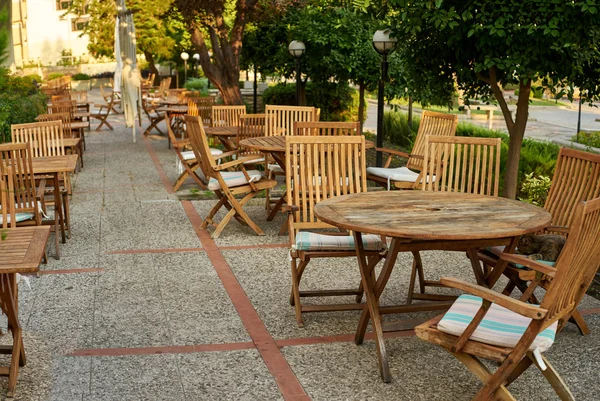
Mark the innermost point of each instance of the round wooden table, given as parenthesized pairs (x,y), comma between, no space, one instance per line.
(224,134)
(421,220)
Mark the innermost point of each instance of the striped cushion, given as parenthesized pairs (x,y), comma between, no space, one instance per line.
(234,179)
(307,241)
(500,326)
(189,154)
(20,217)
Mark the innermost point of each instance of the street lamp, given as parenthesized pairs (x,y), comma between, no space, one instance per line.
(196,57)
(185,57)
(297,49)
(384,45)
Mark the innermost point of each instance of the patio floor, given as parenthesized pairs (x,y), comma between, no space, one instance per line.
(143,305)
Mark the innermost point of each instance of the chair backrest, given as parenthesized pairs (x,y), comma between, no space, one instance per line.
(46,138)
(15,162)
(205,105)
(461,164)
(319,168)
(576,178)
(200,145)
(326,128)
(251,126)
(62,107)
(79,96)
(65,118)
(61,98)
(192,109)
(280,119)
(432,123)
(7,203)
(164,86)
(227,116)
(577,263)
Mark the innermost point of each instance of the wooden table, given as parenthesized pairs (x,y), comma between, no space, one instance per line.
(173,115)
(21,251)
(224,134)
(420,220)
(275,145)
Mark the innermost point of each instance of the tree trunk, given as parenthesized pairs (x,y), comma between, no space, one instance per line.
(410,113)
(516,130)
(361,105)
(151,66)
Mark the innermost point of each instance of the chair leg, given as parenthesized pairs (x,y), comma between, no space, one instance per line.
(483,374)
(300,271)
(180,180)
(554,379)
(208,219)
(237,207)
(296,294)
(66,213)
(580,322)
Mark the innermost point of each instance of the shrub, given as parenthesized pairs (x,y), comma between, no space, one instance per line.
(535,189)
(589,139)
(537,158)
(197,84)
(105,74)
(396,130)
(337,101)
(33,77)
(55,75)
(80,77)
(20,102)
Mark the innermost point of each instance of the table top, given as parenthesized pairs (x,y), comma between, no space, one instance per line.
(221,131)
(22,249)
(54,164)
(432,215)
(275,143)
(71,142)
(172,109)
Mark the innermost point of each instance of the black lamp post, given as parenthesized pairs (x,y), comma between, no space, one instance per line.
(384,45)
(297,49)
(184,57)
(196,58)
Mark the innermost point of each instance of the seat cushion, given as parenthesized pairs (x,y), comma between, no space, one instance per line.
(256,161)
(20,217)
(394,174)
(275,168)
(307,241)
(234,179)
(500,326)
(189,154)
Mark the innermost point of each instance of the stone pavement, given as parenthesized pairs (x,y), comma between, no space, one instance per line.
(143,305)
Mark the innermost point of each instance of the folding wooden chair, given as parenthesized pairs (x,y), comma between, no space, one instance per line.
(511,332)
(68,132)
(407,177)
(187,161)
(154,116)
(47,140)
(319,168)
(320,128)
(103,112)
(454,164)
(576,178)
(27,203)
(226,116)
(226,184)
(251,126)
(110,99)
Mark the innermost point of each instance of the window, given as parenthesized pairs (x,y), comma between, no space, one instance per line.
(63,4)
(78,24)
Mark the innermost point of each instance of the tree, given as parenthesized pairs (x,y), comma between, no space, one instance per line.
(153,36)
(4,32)
(218,26)
(484,44)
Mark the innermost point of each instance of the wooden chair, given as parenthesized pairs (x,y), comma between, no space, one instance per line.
(187,163)
(454,164)
(110,98)
(432,123)
(205,105)
(226,184)
(576,178)
(103,111)
(511,332)
(251,126)
(68,132)
(226,116)
(319,168)
(318,128)
(27,202)
(154,116)
(47,140)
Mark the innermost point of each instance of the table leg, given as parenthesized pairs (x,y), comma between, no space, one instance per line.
(280,160)
(9,307)
(369,286)
(58,208)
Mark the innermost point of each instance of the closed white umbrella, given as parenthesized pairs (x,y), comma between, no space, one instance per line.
(119,68)
(131,93)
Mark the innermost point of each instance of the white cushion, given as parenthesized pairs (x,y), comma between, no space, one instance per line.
(20,217)
(307,241)
(275,168)
(500,326)
(259,160)
(189,154)
(234,179)
(395,174)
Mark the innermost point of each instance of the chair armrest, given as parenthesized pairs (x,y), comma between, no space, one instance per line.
(233,163)
(290,208)
(558,229)
(227,154)
(180,143)
(512,304)
(530,263)
(393,152)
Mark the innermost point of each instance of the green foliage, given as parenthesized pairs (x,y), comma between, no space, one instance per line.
(80,77)
(535,189)
(20,102)
(197,84)
(396,130)
(337,101)
(589,138)
(4,34)
(55,75)
(33,77)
